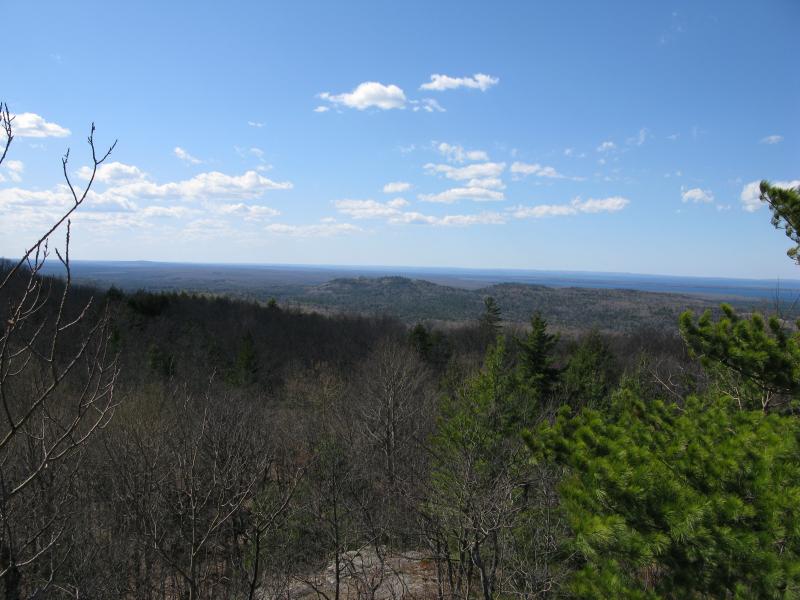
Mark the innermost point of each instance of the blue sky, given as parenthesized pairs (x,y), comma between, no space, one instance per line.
(598,136)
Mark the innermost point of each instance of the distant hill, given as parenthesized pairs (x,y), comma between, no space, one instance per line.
(610,302)
(566,308)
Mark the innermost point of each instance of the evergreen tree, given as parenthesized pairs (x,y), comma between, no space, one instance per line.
(490,320)
(590,373)
(785,206)
(420,339)
(245,370)
(679,502)
(536,371)
(764,355)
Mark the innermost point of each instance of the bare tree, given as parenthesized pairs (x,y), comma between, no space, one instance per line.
(57,378)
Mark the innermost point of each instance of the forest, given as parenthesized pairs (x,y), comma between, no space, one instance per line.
(180,446)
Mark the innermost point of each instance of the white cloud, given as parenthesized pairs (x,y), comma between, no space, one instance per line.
(392,213)
(524,169)
(697,196)
(577,206)
(370,209)
(250,212)
(203,186)
(34,126)
(367,95)
(427,104)
(174,212)
(772,139)
(457,154)
(59,197)
(479,81)
(14,168)
(185,156)
(396,187)
(256,124)
(416,218)
(606,146)
(316,230)
(751,193)
(489,183)
(113,172)
(478,194)
(473,171)
(672,137)
(321,109)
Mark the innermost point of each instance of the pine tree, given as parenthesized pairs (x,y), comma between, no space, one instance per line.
(764,355)
(536,371)
(245,370)
(785,206)
(590,373)
(679,502)
(490,320)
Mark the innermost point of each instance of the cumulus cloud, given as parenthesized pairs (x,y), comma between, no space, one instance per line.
(751,193)
(173,212)
(396,187)
(427,104)
(489,183)
(128,190)
(249,212)
(34,126)
(457,154)
(185,156)
(473,171)
(370,209)
(321,109)
(14,168)
(525,169)
(256,124)
(416,218)
(368,95)
(392,212)
(59,198)
(113,172)
(606,146)
(479,81)
(772,139)
(577,206)
(477,194)
(314,230)
(204,186)
(697,196)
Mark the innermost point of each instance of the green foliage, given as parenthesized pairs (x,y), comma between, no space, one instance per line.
(490,320)
(147,304)
(535,367)
(420,340)
(472,418)
(591,372)
(785,206)
(245,369)
(477,485)
(762,352)
(432,346)
(699,501)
